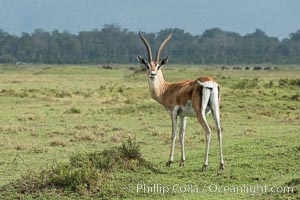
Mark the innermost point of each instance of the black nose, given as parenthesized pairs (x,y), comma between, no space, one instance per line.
(153,73)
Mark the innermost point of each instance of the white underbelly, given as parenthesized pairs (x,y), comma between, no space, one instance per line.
(187,110)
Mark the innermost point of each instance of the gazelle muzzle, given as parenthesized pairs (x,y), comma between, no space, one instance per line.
(152,74)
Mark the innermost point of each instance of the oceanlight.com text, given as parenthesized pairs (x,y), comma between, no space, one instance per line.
(164,189)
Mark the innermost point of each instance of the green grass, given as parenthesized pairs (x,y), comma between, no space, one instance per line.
(61,125)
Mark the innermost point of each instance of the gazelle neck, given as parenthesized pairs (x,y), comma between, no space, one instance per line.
(157,86)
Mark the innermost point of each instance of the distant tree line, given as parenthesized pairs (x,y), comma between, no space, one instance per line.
(112,44)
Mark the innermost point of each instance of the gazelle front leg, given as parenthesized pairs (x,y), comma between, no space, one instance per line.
(173,136)
(181,134)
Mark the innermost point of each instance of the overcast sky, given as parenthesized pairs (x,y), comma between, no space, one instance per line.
(275,17)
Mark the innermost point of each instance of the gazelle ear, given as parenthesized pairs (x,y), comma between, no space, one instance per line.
(141,60)
(164,61)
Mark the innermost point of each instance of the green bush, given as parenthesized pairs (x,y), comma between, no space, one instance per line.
(289,82)
(247,84)
(73,110)
(83,173)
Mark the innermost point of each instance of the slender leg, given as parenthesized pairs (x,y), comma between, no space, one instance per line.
(202,120)
(219,132)
(181,133)
(221,152)
(207,131)
(173,139)
(214,104)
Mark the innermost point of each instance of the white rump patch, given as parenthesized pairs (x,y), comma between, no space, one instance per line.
(208,84)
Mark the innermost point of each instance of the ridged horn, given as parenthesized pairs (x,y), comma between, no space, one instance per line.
(147,47)
(161,47)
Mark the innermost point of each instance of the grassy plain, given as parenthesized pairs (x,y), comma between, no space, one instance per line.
(57,114)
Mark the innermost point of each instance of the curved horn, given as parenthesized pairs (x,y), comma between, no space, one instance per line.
(147,47)
(161,47)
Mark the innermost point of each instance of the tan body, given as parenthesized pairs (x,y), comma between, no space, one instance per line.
(180,93)
(187,98)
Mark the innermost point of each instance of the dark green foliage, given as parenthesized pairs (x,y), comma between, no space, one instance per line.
(84,173)
(247,84)
(112,44)
(289,82)
(257,83)
(73,110)
(130,150)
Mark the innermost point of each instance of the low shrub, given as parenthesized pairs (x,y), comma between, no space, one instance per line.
(84,173)
(247,84)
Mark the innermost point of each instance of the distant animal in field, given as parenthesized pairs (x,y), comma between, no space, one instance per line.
(256,68)
(106,67)
(224,68)
(131,68)
(237,68)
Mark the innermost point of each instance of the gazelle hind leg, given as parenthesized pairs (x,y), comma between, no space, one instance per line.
(207,131)
(202,120)
(214,105)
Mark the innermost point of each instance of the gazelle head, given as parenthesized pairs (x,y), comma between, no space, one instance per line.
(153,67)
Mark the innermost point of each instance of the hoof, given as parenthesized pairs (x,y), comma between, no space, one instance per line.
(222,167)
(181,163)
(168,164)
(204,168)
